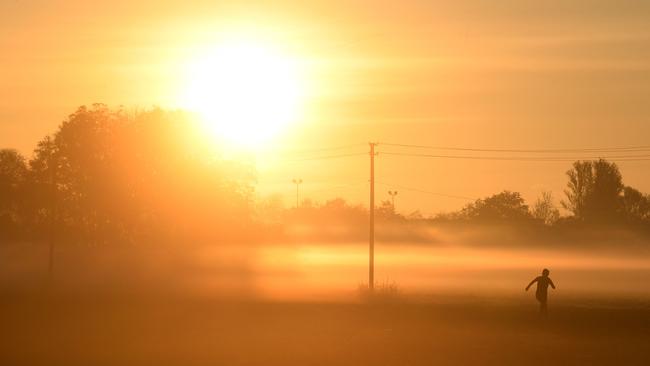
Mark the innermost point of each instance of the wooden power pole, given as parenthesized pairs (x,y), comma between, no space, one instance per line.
(52,222)
(371,254)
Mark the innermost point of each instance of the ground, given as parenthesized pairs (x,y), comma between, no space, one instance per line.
(164,330)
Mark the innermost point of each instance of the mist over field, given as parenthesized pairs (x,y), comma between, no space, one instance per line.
(458,297)
(493,263)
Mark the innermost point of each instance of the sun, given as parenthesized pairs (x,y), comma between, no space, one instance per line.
(245,92)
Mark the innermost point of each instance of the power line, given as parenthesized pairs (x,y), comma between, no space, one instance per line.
(427,192)
(335,188)
(319,150)
(640,148)
(325,157)
(644,157)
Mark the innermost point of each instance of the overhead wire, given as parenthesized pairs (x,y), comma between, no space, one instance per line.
(326,157)
(427,192)
(625,150)
(639,148)
(644,157)
(334,188)
(319,150)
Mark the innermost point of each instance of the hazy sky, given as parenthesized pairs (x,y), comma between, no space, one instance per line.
(482,74)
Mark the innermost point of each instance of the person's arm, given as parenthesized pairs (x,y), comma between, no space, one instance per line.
(551,283)
(531,283)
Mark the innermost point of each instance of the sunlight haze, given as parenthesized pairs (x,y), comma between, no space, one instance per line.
(464,74)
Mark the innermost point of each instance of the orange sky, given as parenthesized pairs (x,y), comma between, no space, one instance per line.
(485,74)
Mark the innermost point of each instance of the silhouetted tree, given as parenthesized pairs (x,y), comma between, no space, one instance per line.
(636,205)
(340,209)
(334,211)
(545,210)
(114,175)
(307,203)
(386,210)
(449,216)
(270,209)
(594,190)
(42,186)
(505,206)
(579,187)
(415,215)
(13,177)
(13,173)
(607,190)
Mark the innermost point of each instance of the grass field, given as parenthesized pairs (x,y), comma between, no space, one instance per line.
(300,306)
(163,330)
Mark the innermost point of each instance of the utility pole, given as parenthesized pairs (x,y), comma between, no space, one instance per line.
(392,195)
(371,256)
(297,182)
(52,220)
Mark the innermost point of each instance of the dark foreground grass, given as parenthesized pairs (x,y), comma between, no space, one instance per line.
(111,330)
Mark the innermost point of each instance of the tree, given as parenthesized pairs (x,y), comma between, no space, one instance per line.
(13,176)
(579,187)
(594,190)
(545,210)
(415,215)
(111,175)
(13,173)
(608,187)
(271,209)
(42,186)
(386,210)
(636,205)
(505,206)
(336,210)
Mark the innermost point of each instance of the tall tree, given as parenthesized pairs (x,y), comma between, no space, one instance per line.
(579,187)
(111,175)
(545,210)
(594,190)
(605,200)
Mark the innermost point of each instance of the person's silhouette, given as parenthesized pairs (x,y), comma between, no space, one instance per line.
(541,294)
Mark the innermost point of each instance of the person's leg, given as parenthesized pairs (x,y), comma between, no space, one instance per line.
(543,309)
(541,297)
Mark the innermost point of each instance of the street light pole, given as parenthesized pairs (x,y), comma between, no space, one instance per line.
(297,182)
(392,195)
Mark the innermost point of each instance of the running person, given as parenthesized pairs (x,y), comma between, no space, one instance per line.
(541,294)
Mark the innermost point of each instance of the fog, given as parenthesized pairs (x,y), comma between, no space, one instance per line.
(456,298)
(453,264)
(323,269)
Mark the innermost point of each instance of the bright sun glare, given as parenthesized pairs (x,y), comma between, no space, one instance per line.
(245,92)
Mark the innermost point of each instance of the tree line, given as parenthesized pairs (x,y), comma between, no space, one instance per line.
(130,176)
(595,195)
(114,175)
